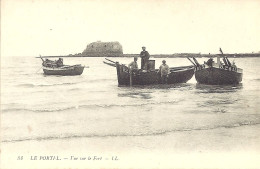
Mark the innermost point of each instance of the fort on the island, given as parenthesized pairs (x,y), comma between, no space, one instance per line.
(103,49)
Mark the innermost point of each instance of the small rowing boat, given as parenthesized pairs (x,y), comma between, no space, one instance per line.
(57,68)
(65,70)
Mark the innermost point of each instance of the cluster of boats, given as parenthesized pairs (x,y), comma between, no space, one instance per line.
(219,73)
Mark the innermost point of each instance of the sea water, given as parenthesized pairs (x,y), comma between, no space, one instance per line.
(36,107)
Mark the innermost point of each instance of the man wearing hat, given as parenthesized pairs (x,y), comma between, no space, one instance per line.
(145,57)
(164,70)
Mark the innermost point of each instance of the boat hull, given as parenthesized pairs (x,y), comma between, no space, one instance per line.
(64,71)
(177,75)
(217,76)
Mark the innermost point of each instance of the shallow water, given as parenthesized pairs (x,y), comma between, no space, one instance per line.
(39,107)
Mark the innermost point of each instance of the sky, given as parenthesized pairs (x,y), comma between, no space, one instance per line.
(62,27)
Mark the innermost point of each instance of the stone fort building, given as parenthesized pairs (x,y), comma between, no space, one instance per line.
(103,49)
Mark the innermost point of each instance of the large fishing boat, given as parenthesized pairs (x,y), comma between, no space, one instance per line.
(150,77)
(218,73)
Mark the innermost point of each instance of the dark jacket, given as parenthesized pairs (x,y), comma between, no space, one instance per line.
(144,54)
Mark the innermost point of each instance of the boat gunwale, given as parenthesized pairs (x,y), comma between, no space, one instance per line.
(63,67)
(205,67)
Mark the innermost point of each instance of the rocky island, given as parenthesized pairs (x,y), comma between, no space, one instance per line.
(103,49)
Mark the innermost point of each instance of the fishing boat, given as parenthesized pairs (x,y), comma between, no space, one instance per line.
(218,73)
(57,68)
(65,70)
(151,77)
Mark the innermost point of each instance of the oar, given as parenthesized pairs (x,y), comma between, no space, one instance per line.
(131,78)
(191,61)
(109,64)
(38,70)
(225,59)
(221,51)
(228,61)
(41,58)
(41,66)
(110,60)
(195,60)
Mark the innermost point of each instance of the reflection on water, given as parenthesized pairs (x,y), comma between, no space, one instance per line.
(202,88)
(152,91)
(158,86)
(218,102)
(220,98)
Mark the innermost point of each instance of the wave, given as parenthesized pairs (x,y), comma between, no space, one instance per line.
(36,110)
(85,106)
(44,85)
(74,89)
(216,91)
(218,102)
(201,88)
(19,73)
(26,85)
(59,84)
(161,132)
(100,80)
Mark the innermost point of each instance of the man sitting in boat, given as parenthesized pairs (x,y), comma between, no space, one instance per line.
(49,63)
(145,58)
(133,65)
(210,62)
(164,70)
(234,64)
(59,62)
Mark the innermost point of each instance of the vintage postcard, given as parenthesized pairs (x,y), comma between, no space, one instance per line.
(130,84)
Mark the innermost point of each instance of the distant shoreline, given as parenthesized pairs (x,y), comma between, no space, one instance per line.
(167,55)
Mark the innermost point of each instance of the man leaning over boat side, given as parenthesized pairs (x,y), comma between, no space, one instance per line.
(133,66)
(145,58)
(165,71)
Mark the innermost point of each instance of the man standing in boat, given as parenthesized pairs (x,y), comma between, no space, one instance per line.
(164,70)
(145,58)
(133,65)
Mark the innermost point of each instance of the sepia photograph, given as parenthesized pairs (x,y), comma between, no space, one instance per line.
(130,84)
